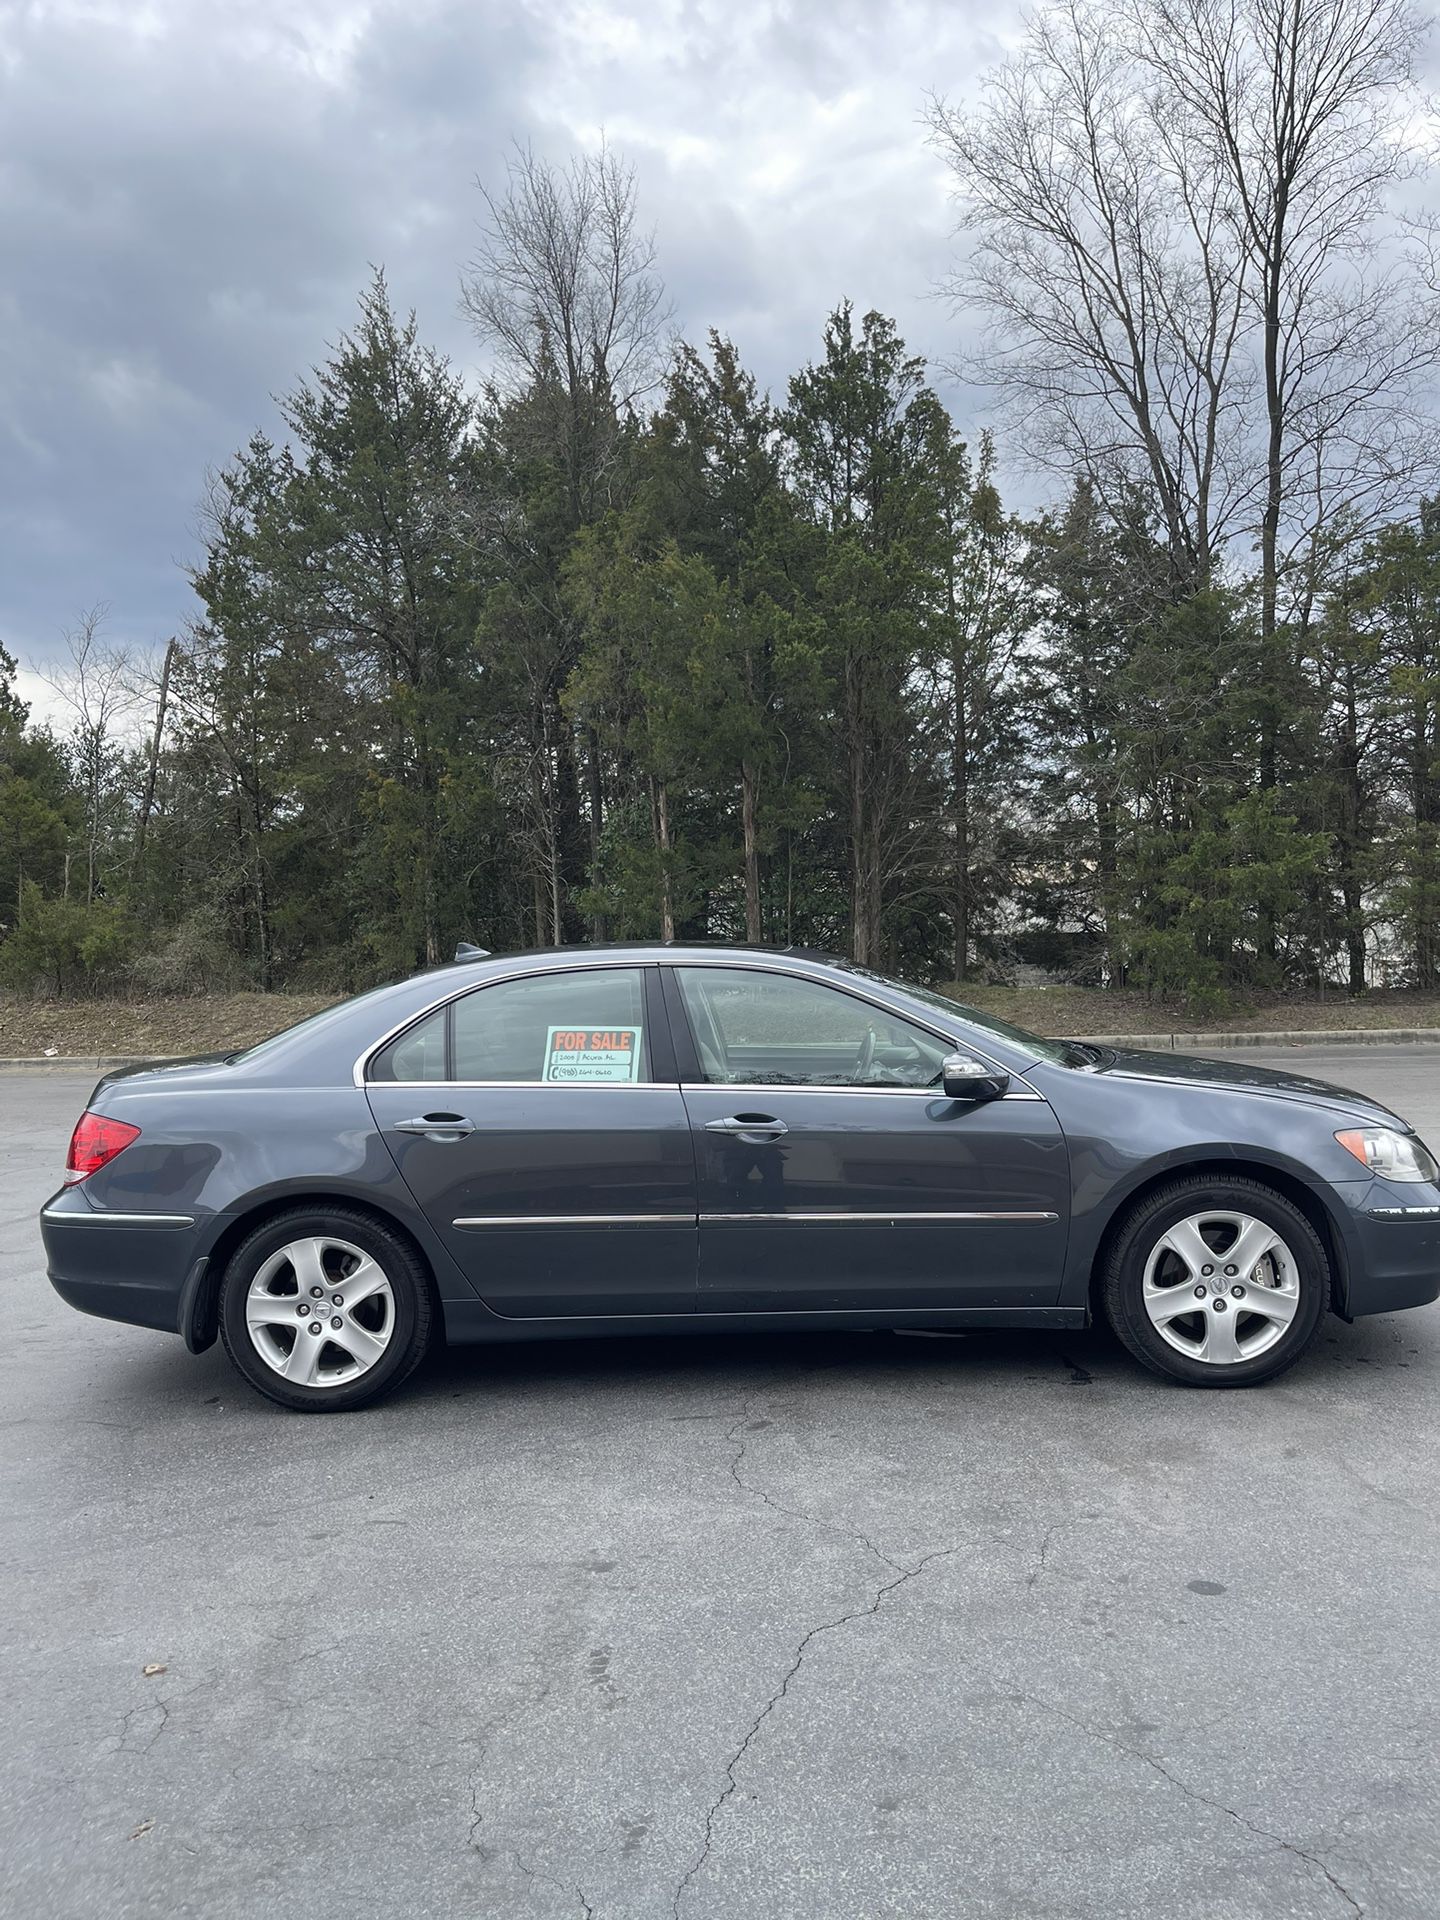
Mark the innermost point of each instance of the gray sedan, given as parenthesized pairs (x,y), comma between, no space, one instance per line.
(670,1138)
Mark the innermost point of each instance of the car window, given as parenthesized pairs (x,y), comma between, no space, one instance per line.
(1060,1053)
(416,1054)
(580,1028)
(771,1029)
(572,1028)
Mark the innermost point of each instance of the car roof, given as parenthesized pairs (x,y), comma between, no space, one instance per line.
(642,950)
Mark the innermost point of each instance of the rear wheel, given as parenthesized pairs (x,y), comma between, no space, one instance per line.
(323,1310)
(1217,1283)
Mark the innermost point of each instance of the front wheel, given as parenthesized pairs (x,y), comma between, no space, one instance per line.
(1217,1283)
(324,1309)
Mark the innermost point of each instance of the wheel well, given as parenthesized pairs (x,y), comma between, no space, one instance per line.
(204,1327)
(1296,1191)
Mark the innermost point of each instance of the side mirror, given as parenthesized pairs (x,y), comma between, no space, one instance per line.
(967,1079)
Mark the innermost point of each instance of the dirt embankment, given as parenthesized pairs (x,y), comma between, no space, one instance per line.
(84,1028)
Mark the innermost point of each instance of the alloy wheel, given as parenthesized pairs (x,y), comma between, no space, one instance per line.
(320,1312)
(1221,1287)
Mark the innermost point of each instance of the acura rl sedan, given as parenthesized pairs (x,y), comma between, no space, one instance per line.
(671,1138)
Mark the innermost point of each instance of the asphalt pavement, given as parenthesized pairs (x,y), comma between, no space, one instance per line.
(724,1629)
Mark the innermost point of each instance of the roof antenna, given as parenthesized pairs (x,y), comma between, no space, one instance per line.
(467,952)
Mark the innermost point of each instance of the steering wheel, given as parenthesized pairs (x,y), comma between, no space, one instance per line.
(865,1059)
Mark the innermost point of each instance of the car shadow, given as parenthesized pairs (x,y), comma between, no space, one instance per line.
(1089,1358)
(166,1377)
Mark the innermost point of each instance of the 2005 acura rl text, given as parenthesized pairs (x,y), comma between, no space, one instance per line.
(662,1138)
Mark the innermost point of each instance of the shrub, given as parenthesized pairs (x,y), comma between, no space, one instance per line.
(194,956)
(66,946)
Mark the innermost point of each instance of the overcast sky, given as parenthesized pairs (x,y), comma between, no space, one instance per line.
(192,193)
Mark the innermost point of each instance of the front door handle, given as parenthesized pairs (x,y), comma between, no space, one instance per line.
(438,1126)
(756,1126)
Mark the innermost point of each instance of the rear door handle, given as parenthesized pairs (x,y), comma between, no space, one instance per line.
(761,1126)
(438,1126)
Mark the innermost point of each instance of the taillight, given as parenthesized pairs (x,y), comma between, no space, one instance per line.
(94,1143)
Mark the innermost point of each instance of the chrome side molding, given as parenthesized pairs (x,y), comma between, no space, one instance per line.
(803,1217)
(575,1220)
(100,1217)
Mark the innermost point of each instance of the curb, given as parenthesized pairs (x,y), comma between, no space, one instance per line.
(84,1063)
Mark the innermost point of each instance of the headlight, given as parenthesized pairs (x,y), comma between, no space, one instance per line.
(1391,1155)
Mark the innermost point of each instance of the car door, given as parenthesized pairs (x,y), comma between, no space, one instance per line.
(538,1122)
(834,1175)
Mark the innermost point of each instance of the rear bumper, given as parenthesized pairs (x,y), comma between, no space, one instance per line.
(129,1267)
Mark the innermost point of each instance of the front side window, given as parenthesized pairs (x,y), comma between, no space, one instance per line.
(575,1029)
(770,1029)
(1060,1053)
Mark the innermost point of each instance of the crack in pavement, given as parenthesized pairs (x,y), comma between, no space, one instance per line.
(903,1575)
(794,1513)
(1193,1793)
(1032,1578)
(160,1704)
(157,1705)
(587,1912)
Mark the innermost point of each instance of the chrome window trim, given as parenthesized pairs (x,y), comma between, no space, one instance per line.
(686,1086)
(795,970)
(101,1217)
(540,1086)
(811,1086)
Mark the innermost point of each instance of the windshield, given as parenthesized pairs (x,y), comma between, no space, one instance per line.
(1060,1053)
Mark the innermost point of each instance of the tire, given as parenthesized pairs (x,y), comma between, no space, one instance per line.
(1252,1317)
(340,1353)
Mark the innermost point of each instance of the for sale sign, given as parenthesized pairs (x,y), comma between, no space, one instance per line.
(592,1053)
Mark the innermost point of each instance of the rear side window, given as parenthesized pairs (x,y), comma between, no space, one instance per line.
(575,1029)
(416,1054)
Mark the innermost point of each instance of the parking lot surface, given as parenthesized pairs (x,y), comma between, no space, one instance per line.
(719,1629)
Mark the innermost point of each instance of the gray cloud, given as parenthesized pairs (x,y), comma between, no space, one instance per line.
(192,195)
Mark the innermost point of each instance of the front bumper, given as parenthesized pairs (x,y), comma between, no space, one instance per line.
(121,1266)
(1395,1256)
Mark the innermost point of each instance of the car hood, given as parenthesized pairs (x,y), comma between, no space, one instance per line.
(1241,1076)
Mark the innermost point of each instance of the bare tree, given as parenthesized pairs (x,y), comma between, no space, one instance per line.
(96,683)
(1104,262)
(565,290)
(1179,211)
(1300,106)
(152,763)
